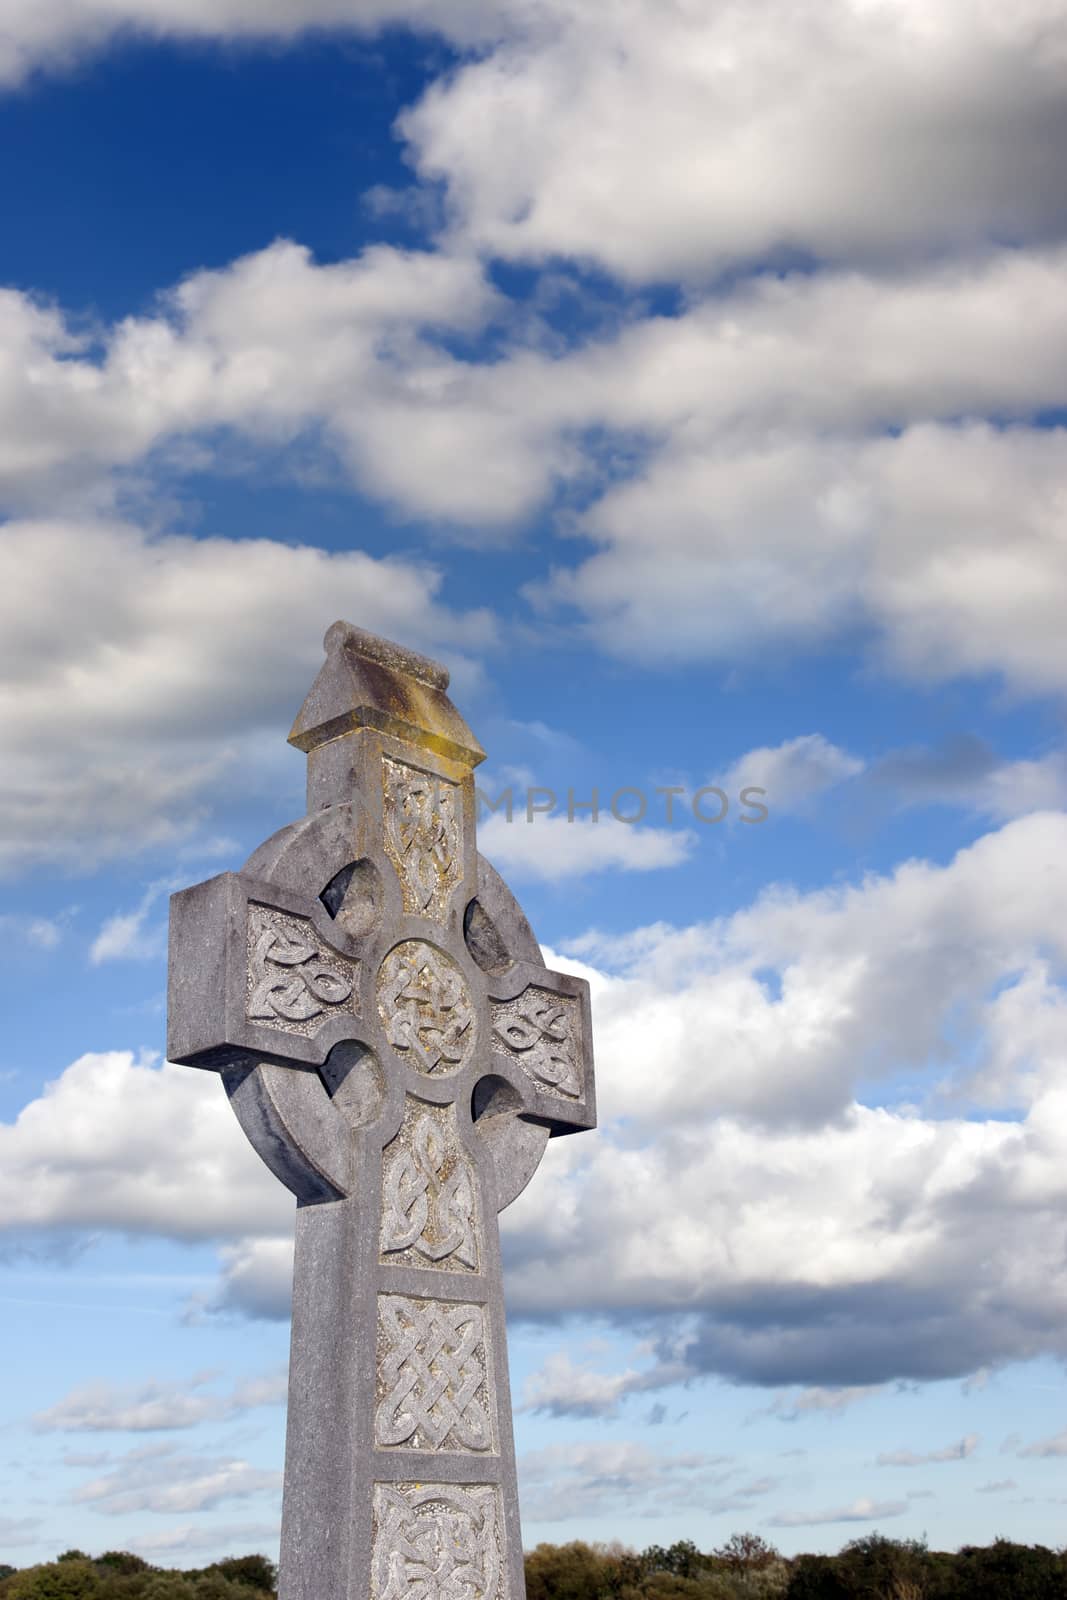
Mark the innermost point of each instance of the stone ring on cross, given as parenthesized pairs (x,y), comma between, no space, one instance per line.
(398,1053)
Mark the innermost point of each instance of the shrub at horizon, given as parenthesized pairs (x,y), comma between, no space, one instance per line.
(119,1575)
(746,1567)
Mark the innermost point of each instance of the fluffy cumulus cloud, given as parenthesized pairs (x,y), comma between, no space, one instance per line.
(563,1389)
(663,140)
(792,775)
(137,671)
(551,848)
(779,492)
(276,344)
(741,1201)
(935,543)
(832,129)
(792,1233)
(276,347)
(120,1144)
(857,450)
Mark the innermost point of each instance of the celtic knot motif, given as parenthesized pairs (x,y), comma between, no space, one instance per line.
(428,1205)
(422,836)
(432,1376)
(292,980)
(436,1541)
(538,1030)
(426,1007)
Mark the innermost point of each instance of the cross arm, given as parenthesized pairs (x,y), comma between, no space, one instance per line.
(540,1038)
(254,975)
(256,989)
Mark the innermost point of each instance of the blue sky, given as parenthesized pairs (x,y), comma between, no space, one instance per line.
(690,380)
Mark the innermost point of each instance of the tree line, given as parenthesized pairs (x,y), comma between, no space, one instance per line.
(746,1567)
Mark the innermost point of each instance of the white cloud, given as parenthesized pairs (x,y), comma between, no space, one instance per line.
(126,690)
(44,933)
(124,936)
(965,771)
(550,848)
(256,1281)
(276,347)
(147,1407)
(831,1402)
(861,1510)
(57,33)
(791,774)
(663,141)
(780,494)
(156,1478)
(1015,787)
(275,344)
(836,130)
(566,1481)
(789,542)
(222,1537)
(783,1010)
(560,1388)
(118,1143)
(1054,1446)
(960,1451)
(807,1238)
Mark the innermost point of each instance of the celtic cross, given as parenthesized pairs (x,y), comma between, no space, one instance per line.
(398,1053)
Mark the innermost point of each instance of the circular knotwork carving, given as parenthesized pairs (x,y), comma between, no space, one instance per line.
(426,1008)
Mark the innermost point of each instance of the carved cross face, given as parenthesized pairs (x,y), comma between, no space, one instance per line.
(366,956)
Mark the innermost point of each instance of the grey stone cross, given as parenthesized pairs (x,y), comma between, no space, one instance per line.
(398,1053)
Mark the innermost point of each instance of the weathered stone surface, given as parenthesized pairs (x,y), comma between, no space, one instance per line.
(429,1193)
(437,1541)
(435,1387)
(398,1053)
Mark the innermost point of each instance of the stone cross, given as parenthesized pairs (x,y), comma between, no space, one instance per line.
(398,1053)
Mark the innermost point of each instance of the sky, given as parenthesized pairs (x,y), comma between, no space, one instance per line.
(689,377)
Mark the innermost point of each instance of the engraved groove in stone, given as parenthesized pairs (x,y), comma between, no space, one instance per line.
(426,1008)
(429,1194)
(422,835)
(540,1030)
(434,1383)
(437,1541)
(293,980)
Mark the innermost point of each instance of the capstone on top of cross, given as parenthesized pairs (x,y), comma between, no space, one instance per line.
(370,682)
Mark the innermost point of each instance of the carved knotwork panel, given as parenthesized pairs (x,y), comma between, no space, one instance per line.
(423,837)
(294,981)
(429,1194)
(434,1384)
(426,1008)
(437,1541)
(541,1031)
